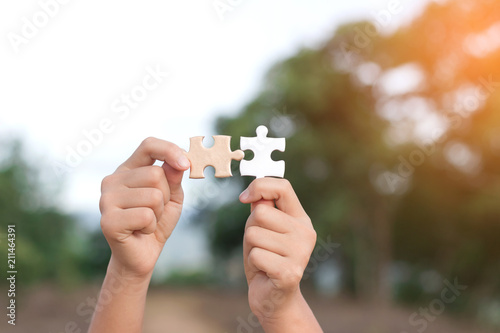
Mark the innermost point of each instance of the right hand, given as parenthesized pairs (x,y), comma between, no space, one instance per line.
(141,204)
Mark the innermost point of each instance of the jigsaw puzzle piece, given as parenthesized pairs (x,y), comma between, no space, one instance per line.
(262,165)
(218,156)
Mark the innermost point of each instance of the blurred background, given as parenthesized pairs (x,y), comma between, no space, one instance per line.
(390,110)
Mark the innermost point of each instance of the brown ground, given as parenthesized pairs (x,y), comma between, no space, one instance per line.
(213,311)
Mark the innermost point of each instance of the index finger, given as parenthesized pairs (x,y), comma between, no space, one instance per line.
(152,150)
(278,190)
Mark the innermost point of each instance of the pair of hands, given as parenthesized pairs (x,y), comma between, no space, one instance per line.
(141,204)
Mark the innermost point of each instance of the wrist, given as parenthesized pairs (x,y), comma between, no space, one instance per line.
(121,302)
(122,275)
(290,314)
(278,306)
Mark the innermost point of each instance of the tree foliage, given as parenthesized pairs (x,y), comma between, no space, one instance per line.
(44,234)
(391,193)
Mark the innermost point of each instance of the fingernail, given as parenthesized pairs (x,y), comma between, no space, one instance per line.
(183,162)
(244,195)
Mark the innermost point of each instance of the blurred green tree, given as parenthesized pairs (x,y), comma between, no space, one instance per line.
(448,222)
(367,170)
(334,139)
(44,247)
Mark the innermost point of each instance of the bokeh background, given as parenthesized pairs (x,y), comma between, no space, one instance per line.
(390,110)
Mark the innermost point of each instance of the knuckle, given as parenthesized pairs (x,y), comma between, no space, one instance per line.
(306,236)
(286,185)
(251,234)
(148,142)
(253,255)
(156,197)
(105,202)
(258,182)
(107,182)
(106,224)
(156,174)
(257,185)
(145,216)
(259,213)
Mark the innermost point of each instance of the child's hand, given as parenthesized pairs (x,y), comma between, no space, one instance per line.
(141,204)
(279,239)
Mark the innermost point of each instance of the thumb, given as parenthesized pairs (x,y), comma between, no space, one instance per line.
(262,202)
(247,197)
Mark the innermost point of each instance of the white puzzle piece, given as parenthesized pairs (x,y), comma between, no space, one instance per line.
(262,165)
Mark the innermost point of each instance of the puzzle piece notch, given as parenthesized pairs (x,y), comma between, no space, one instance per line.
(262,164)
(218,156)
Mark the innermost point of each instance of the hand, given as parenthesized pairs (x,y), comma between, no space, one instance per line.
(141,204)
(278,242)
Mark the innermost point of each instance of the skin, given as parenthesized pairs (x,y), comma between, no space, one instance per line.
(278,242)
(141,204)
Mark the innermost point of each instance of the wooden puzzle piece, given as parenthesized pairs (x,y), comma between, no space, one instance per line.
(218,156)
(262,165)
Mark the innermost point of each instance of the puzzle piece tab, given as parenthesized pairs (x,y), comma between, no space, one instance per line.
(219,156)
(262,165)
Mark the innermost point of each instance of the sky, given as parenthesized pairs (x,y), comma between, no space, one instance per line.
(84,82)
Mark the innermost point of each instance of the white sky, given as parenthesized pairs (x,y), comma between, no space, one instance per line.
(65,79)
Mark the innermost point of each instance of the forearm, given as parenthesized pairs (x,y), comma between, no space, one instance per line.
(296,317)
(121,303)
